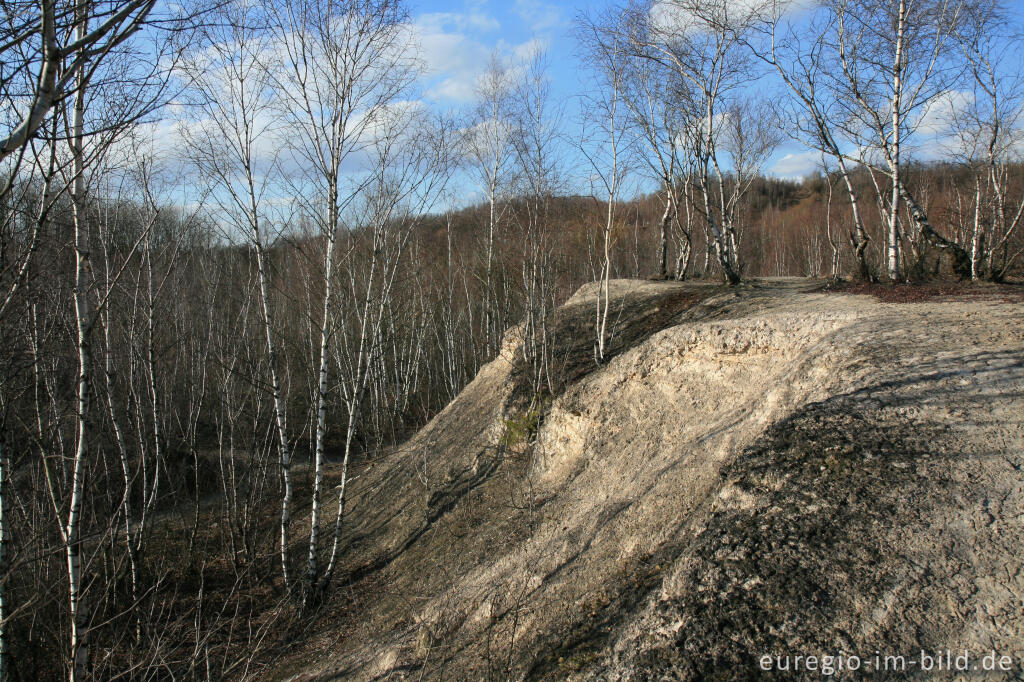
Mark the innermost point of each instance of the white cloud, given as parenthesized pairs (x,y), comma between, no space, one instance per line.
(937,118)
(524,52)
(456,89)
(937,133)
(453,60)
(455,56)
(796,166)
(473,20)
(673,18)
(488,139)
(540,16)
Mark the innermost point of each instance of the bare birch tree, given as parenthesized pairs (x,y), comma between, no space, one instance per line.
(46,53)
(658,117)
(538,173)
(345,64)
(987,136)
(750,135)
(490,146)
(109,89)
(235,146)
(700,40)
(51,53)
(800,52)
(607,150)
(411,163)
(893,63)
(654,114)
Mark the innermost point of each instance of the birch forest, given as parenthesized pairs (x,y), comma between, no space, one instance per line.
(238,254)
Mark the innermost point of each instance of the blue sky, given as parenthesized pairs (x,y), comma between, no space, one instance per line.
(456,39)
(459,36)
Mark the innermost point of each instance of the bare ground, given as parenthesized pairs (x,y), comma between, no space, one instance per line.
(768,469)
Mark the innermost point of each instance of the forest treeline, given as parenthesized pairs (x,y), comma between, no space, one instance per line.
(198,344)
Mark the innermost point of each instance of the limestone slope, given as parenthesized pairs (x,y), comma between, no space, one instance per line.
(762,470)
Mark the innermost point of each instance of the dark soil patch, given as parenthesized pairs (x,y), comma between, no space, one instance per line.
(931,291)
(781,577)
(632,319)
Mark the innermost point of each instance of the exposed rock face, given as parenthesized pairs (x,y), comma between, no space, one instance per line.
(768,470)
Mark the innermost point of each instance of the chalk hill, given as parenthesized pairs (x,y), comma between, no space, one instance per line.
(768,469)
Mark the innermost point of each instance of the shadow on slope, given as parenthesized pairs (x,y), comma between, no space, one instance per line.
(830,534)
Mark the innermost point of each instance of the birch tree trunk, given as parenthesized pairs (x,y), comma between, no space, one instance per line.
(321,400)
(342,68)
(606,263)
(859,239)
(893,245)
(280,416)
(804,72)
(666,221)
(122,448)
(238,101)
(686,238)
(72,530)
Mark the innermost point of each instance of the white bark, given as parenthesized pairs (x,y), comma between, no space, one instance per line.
(321,413)
(893,246)
(239,104)
(82,53)
(341,73)
(803,74)
(3,556)
(72,530)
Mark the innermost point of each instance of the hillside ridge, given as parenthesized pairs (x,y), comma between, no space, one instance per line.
(770,469)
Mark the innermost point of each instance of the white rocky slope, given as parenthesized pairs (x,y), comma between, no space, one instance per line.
(765,470)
